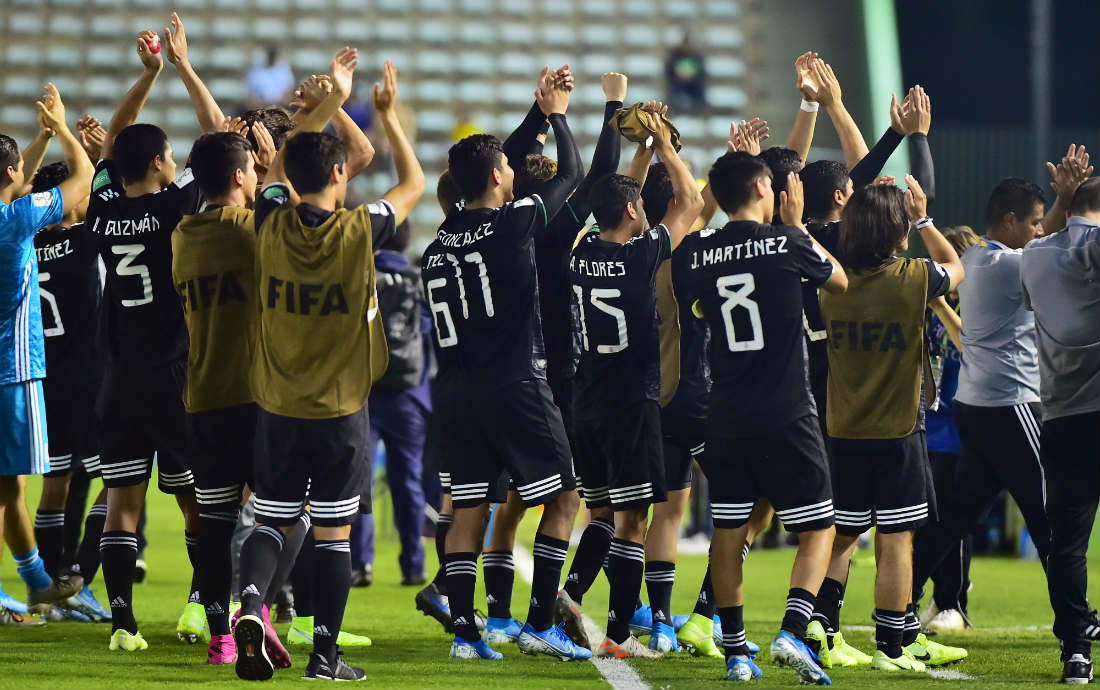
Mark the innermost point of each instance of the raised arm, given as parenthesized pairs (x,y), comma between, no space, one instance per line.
(746,137)
(92,135)
(1066,177)
(950,319)
(525,139)
(308,96)
(175,50)
(920,155)
(134,100)
(802,135)
(686,200)
(829,95)
(410,177)
(939,249)
(791,204)
(553,99)
(871,165)
(605,159)
(79,182)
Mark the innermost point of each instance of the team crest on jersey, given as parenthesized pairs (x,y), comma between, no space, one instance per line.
(40,199)
(275,193)
(101,179)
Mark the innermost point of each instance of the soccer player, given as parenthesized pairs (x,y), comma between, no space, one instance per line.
(495,410)
(23,449)
(616,425)
(875,416)
(71,289)
(316,276)
(135,204)
(1060,275)
(747,279)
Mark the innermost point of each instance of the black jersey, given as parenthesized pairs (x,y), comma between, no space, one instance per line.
(817,340)
(693,392)
(480,284)
(70,288)
(142,317)
(614,311)
(747,278)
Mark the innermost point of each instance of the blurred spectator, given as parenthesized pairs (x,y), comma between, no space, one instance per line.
(687,77)
(359,109)
(271,83)
(465,126)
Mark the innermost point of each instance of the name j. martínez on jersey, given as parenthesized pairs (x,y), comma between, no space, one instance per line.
(749,249)
(128,227)
(54,251)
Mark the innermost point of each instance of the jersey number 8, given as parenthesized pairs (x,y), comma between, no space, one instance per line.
(736,290)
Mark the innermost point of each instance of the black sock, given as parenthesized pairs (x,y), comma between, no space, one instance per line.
(301,578)
(800,605)
(87,556)
(442,526)
(549,556)
(292,547)
(827,607)
(500,574)
(889,627)
(659,577)
(119,554)
(192,541)
(215,567)
(733,630)
(626,563)
(461,579)
(912,626)
(259,558)
(704,605)
(589,558)
(331,584)
(49,532)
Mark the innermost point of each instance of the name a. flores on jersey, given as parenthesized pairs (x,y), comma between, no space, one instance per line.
(750,249)
(866,335)
(301,298)
(597,269)
(200,293)
(54,251)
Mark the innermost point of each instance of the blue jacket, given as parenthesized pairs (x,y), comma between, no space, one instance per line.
(388,261)
(943,435)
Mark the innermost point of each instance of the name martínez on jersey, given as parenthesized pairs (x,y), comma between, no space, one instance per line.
(750,249)
(54,251)
(597,269)
(466,238)
(127,228)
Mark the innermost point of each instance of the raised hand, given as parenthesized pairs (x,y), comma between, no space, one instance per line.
(804,80)
(385,94)
(614,86)
(153,61)
(916,201)
(51,111)
(747,136)
(828,92)
(792,201)
(312,91)
(1068,175)
(343,66)
(914,115)
(662,137)
(552,94)
(896,112)
(91,134)
(885,179)
(265,152)
(235,125)
(175,41)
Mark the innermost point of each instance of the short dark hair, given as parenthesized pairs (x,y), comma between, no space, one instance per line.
(610,195)
(872,225)
(1087,197)
(309,157)
(136,147)
(275,118)
(214,159)
(819,180)
(657,193)
(49,176)
(733,176)
(399,241)
(535,170)
(472,160)
(447,192)
(781,161)
(1012,195)
(9,153)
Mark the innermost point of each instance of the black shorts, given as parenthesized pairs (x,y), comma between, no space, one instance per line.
(322,461)
(685,439)
(70,418)
(886,483)
(221,452)
(498,490)
(787,466)
(140,416)
(516,428)
(620,459)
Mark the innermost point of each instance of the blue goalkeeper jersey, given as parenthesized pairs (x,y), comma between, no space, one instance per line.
(22,348)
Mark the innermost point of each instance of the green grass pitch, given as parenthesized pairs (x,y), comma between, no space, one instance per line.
(1011,648)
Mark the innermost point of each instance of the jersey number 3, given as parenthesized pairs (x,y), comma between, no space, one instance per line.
(127,267)
(735,291)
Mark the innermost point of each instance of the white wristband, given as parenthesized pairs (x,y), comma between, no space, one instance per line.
(923,223)
(809,106)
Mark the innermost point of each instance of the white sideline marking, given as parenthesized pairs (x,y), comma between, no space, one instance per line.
(618,674)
